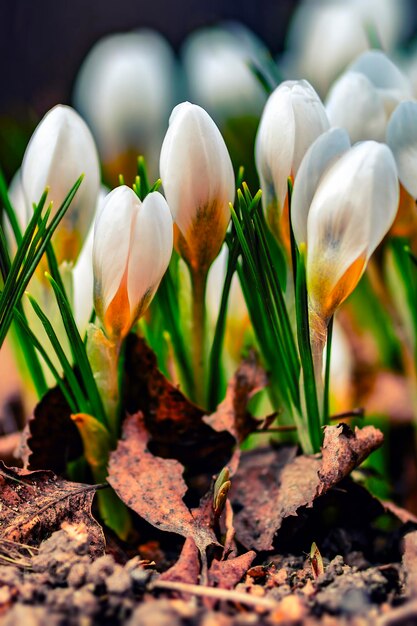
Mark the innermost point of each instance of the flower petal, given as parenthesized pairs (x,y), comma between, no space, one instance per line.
(151,250)
(354,103)
(402,139)
(318,158)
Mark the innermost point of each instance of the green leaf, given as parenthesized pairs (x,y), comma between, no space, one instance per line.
(303,330)
(78,351)
(82,402)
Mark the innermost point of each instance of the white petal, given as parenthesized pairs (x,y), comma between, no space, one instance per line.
(60,150)
(125,90)
(217,62)
(274,148)
(83,275)
(402,139)
(385,75)
(352,210)
(151,248)
(319,157)
(310,120)
(195,166)
(354,103)
(292,119)
(112,241)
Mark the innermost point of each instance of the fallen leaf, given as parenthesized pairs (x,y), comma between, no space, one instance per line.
(401,514)
(175,424)
(343,450)
(50,438)
(232,414)
(271,485)
(154,487)
(226,574)
(187,568)
(33,504)
(410,563)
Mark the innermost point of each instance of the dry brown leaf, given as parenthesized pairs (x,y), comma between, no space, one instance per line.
(35,504)
(226,574)
(154,487)
(343,450)
(410,563)
(271,485)
(179,428)
(50,438)
(398,512)
(232,414)
(187,568)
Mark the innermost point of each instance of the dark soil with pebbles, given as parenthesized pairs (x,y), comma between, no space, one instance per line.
(59,585)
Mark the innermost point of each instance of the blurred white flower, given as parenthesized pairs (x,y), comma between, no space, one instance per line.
(326,35)
(217,64)
(365,96)
(131,251)
(199,183)
(125,90)
(292,119)
(60,150)
(402,139)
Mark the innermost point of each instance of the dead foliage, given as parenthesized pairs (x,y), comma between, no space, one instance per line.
(35,504)
(271,485)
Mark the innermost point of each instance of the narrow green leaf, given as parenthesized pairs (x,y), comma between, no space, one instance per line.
(79,352)
(73,383)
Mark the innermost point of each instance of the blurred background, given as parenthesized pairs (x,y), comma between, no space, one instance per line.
(43,45)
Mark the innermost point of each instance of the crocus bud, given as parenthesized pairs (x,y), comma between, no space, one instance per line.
(199,184)
(363,98)
(349,212)
(60,150)
(131,252)
(217,63)
(402,139)
(292,119)
(83,276)
(326,35)
(125,90)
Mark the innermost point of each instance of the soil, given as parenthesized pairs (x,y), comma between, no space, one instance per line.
(366,583)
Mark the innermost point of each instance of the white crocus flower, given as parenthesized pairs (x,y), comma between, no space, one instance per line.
(83,276)
(199,184)
(349,212)
(326,35)
(402,139)
(60,150)
(217,64)
(125,90)
(292,119)
(131,252)
(364,97)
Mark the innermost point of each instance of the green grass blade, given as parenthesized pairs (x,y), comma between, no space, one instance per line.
(17,286)
(11,215)
(309,384)
(214,390)
(79,352)
(326,392)
(82,402)
(25,330)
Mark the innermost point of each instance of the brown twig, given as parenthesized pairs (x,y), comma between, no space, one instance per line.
(359,412)
(227,595)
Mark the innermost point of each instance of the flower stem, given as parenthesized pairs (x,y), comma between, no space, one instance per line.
(198,283)
(318,338)
(103,354)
